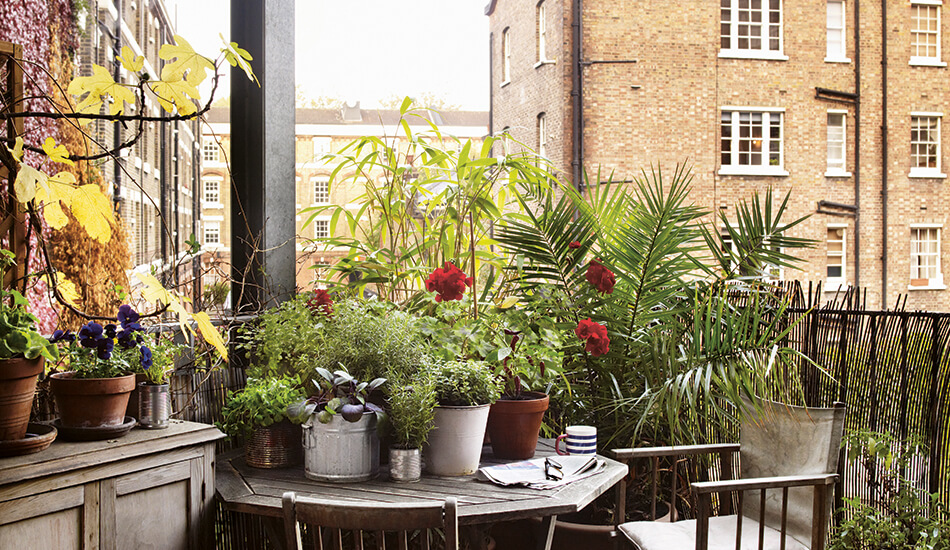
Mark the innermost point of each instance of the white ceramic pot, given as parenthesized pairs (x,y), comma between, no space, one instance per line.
(455,443)
(340,450)
(405,465)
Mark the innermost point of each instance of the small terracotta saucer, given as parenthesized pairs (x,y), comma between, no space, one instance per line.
(38,437)
(94,433)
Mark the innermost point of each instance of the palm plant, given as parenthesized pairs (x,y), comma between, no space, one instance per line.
(681,347)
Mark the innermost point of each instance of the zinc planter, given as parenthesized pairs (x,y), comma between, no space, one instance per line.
(340,450)
(91,402)
(513,425)
(17,385)
(154,405)
(274,446)
(455,443)
(405,465)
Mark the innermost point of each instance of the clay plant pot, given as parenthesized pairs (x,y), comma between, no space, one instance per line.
(513,425)
(91,402)
(17,385)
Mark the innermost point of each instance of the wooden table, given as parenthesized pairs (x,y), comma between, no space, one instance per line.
(150,488)
(255,491)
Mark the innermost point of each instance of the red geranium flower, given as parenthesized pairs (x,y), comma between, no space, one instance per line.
(321,302)
(601,277)
(449,282)
(595,335)
(574,245)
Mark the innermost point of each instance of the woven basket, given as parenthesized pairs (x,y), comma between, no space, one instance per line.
(276,446)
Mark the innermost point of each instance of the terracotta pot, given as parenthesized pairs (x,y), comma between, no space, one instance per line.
(91,402)
(17,385)
(513,425)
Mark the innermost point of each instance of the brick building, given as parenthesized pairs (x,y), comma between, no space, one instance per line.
(318,131)
(153,181)
(840,102)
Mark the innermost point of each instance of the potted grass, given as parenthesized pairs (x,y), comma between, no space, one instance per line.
(23,352)
(96,375)
(259,414)
(464,390)
(339,424)
(411,402)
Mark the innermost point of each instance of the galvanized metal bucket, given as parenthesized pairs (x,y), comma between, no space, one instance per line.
(274,446)
(154,405)
(405,465)
(340,450)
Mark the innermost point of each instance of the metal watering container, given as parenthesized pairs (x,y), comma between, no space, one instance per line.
(340,450)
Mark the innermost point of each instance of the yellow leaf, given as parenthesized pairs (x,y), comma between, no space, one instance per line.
(56,153)
(97,86)
(187,61)
(56,193)
(66,288)
(131,62)
(238,57)
(27,180)
(171,89)
(18,149)
(508,302)
(210,334)
(93,211)
(153,291)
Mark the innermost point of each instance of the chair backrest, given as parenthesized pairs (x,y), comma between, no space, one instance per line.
(332,519)
(782,440)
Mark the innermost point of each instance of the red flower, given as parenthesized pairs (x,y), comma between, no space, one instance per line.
(574,245)
(449,282)
(601,277)
(321,302)
(595,334)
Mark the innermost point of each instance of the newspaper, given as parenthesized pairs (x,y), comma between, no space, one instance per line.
(531,473)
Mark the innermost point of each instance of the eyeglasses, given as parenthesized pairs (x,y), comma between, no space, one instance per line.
(552,470)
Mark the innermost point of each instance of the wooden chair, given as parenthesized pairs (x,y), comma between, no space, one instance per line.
(788,462)
(398,519)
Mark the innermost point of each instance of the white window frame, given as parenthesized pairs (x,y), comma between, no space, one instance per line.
(210,152)
(208,196)
(836,25)
(542,33)
(734,23)
(936,282)
(764,168)
(542,135)
(926,171)
(836,283)
(925,60)
(321,146)
(325,182)
(840,171)
(505,56)
(211,228)
(767,271)
(321,228)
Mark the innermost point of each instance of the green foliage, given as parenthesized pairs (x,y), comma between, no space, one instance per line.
(214,294)
(337,393)
(165,354)
(465,383)
(411,403)
(900,515)
(18,335)
(260,404)
(283,340)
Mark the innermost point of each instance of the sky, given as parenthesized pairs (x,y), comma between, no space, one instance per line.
(368,50)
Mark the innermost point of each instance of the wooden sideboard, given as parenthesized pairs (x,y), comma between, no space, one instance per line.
(149,489)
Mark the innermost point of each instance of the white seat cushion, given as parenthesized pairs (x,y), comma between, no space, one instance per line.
(681,535)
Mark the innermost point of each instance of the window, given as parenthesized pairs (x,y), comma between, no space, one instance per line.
(505,57)
(212,233)
(751,28)
(209,150)
(321,229)
(321,146)
(925,33)
(925,256)
(542,55)
(835,29)
(212,191)
(542,136)
(836,144)
(766,272)
(925,145)
(751,142)
(321,189)
(835,268)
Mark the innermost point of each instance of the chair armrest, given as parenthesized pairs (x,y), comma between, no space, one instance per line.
(758,483)
(680,450)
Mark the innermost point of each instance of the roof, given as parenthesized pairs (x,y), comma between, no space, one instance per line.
(372,117)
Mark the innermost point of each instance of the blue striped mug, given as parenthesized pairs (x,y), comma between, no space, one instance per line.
(579,440)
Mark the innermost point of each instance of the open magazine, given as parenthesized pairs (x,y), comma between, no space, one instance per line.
(543,473)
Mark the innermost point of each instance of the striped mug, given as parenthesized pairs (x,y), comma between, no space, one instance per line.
(579,440)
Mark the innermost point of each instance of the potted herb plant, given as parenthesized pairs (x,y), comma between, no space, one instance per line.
(411,402)
(464,391)
(339,428)
(23,352)
(259,414)
(154,405)
(97,375)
